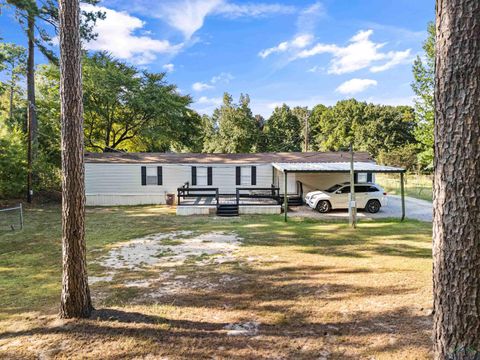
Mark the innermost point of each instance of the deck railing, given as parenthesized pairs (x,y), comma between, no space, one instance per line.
(188,192)
(256,193)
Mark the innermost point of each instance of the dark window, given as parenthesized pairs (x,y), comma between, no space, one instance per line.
(144,175)
(152,175)
(209,176)
(361,189)
(159,175)
(345,190)
(238,175)
(369,177)
(194,175)
(254,175)
(373,189)
(333,188)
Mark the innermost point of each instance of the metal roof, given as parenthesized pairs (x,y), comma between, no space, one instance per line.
(332,167)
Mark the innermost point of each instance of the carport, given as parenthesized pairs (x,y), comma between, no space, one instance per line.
(338,167)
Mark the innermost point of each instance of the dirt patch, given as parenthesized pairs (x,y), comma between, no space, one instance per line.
(164,253)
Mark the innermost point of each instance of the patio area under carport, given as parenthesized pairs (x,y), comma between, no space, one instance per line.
(338,167)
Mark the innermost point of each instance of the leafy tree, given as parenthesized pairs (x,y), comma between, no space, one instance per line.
(236,129)
(314,129)
(12,161)
(39,20)
(283,130)
(423,86)
(13,64)
(129,109)
(339,124)
(303,116)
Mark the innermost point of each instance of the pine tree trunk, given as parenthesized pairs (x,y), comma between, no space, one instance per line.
(456,226)
(32,124)
(75,299)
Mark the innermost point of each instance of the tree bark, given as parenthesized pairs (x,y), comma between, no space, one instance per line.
(456,225)
(32,124)
(75,298)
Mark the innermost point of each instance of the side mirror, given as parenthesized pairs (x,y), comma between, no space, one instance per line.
(338,192)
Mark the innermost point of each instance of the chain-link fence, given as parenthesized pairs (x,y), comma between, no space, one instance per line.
(11,218)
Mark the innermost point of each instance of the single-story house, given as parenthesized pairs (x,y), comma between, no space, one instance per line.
(201,183)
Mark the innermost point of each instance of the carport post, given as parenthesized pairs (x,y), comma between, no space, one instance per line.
(285,197)
(402,191)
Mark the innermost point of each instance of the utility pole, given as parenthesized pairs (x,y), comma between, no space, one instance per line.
(352,205)
(306,131)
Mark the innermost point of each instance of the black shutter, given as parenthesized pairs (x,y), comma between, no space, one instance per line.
(254,175)
(238,174)
(369,177)
(355,178)
(144,175)
(194,175)
(159,175)
(209,176)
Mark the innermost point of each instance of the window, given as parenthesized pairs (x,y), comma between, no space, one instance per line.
(361,189)
(246,176)
(372,189)
(152,175)
(362,178)
(345,190)
(202,176)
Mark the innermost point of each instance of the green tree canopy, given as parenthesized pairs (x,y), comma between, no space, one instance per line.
(129,109)
(283,130)
(423,86)
(235,127)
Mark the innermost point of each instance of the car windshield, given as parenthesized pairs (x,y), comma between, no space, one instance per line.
(334,188)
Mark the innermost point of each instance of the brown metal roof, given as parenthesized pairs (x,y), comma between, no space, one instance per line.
(195,158)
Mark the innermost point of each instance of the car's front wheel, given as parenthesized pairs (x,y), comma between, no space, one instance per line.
(373,206)
(323,206)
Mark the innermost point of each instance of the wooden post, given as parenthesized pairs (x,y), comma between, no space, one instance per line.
(285,197)
(352,206)
(402,191)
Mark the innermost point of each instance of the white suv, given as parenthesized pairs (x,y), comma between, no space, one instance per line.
(368,196)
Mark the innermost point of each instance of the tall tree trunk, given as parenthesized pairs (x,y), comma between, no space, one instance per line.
(456,226)
(75,298)
(32,124)
(12,91)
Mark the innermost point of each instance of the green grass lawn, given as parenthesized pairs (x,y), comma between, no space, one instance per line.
(416,186)
(314,287)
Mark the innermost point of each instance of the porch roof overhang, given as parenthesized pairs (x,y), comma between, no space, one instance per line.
(335,167)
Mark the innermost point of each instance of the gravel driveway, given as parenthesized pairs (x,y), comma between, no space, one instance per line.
(414,209)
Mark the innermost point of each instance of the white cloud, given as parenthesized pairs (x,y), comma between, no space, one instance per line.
(309,17)
(204,100)
(199,86)
(360,53)
(298,42)
(223,77)
(116,34)
(355,86)
(206,105)
(169,67)
(253,9)
(188,16)
(396,58)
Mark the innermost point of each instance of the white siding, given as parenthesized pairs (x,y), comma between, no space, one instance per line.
(121,184)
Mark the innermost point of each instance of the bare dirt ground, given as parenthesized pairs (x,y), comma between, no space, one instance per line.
(251,288)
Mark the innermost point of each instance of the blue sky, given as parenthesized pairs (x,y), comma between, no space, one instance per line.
(297,52)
